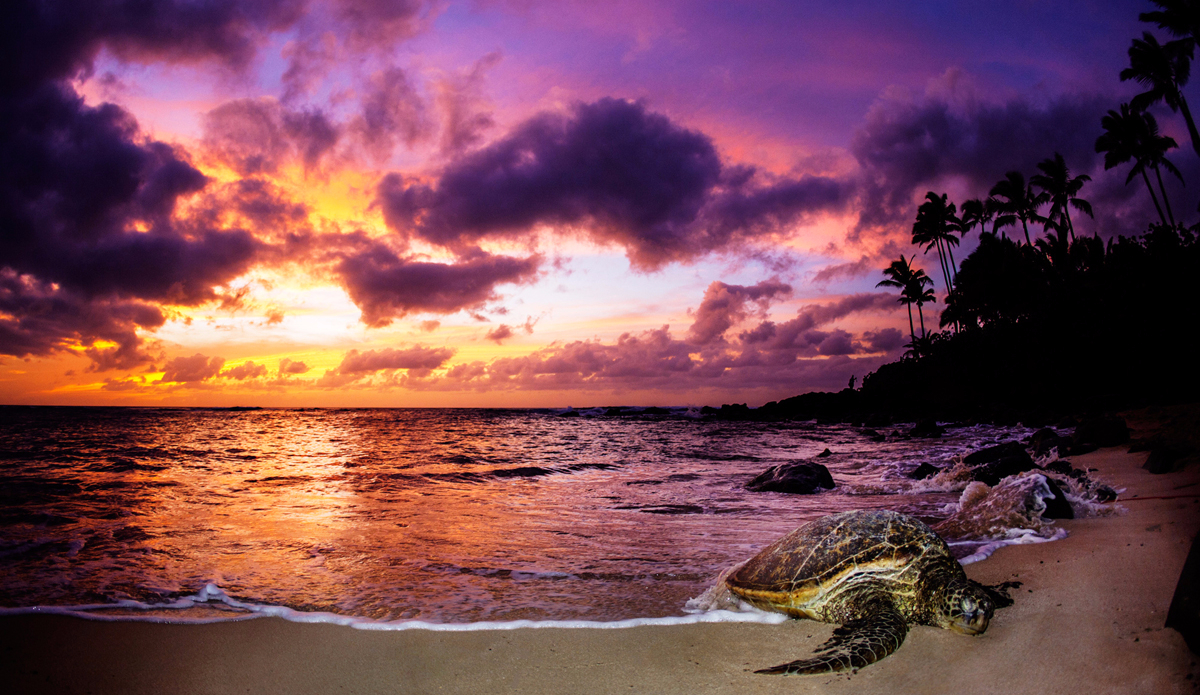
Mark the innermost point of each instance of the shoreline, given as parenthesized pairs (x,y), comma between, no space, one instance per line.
(1088,617)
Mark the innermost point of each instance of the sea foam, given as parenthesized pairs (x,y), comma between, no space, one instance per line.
(212,605)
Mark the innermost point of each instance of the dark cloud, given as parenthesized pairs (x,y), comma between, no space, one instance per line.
(37,318)
(725,305)
(87,202)
(87,207)
(909,144)
(198,367)
(385,286)
(45,40)
(616,172)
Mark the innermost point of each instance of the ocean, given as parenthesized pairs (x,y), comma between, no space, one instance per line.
(394,518)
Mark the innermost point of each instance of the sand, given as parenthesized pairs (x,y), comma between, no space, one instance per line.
(1088,618)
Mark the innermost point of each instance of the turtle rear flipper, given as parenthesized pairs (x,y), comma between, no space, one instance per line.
(853,645)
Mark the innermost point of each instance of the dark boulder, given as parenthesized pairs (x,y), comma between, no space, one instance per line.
(1057,507)
(927,429)
(992,473)
(995,453)
(1046,439)
(1184,613)
(1064,467)
(801,478)
(1162,459)
(825,454)
(923,471)
(1103,430)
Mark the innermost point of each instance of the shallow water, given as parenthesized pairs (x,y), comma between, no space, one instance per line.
(441,516)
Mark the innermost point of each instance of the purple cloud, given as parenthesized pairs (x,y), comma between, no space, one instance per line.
(246,370)
(620,173)
(191,369)
(725,305)
(385,286)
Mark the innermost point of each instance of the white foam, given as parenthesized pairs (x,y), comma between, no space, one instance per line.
(1017,537)
(129,610)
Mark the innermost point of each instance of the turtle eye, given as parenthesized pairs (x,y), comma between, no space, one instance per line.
(968,605)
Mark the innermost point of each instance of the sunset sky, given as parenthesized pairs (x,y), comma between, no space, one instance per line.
(512,203)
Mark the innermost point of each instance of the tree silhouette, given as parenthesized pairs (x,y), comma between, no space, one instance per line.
(935,227)
(920,291)
(976,212)
(1014,200)
(1165,70)
(900,275)
(1061,191)
(1180,17)
(1130,134)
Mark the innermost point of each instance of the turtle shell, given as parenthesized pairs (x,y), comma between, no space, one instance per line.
(798,572)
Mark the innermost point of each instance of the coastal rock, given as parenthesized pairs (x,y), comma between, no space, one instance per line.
(994,453)
(995,463)
(825,454)
(1057,507)
(1184,613)
(1162,459)
(1046,439)
(923,471)
(992,473)
(801,478)
(1104,430)
(1019,502)
(927,429)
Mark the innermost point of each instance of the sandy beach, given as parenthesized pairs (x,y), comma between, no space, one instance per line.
(1088,618)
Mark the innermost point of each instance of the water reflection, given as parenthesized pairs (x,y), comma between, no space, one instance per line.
(445,515)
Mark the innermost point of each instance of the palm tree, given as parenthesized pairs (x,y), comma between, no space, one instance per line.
(920,291)
(935,227)
(1128,135)
(1014,200)
(1061,190)
(900,274)
(1165,70)
(1180,17)
(977,212)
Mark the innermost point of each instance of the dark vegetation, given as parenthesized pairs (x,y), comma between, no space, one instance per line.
(1035,328)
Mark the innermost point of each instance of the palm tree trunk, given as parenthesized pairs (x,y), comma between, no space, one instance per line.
(942,262)
(953,270)
(912,333)
(1070,227)
(1154,197)
(1187,116)
(1026,226)
(921,313)
(1164,192)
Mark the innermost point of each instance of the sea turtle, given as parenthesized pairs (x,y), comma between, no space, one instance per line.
(872,572)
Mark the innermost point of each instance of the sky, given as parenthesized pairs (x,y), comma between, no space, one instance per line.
(496,203)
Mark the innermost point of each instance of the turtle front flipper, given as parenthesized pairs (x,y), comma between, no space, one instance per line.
(853,645)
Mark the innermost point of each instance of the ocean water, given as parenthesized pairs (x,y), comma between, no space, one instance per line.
(403,517)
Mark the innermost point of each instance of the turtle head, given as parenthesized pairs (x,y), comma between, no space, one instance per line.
(965,607)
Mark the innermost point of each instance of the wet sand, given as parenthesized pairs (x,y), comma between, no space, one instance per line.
(1088,618)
